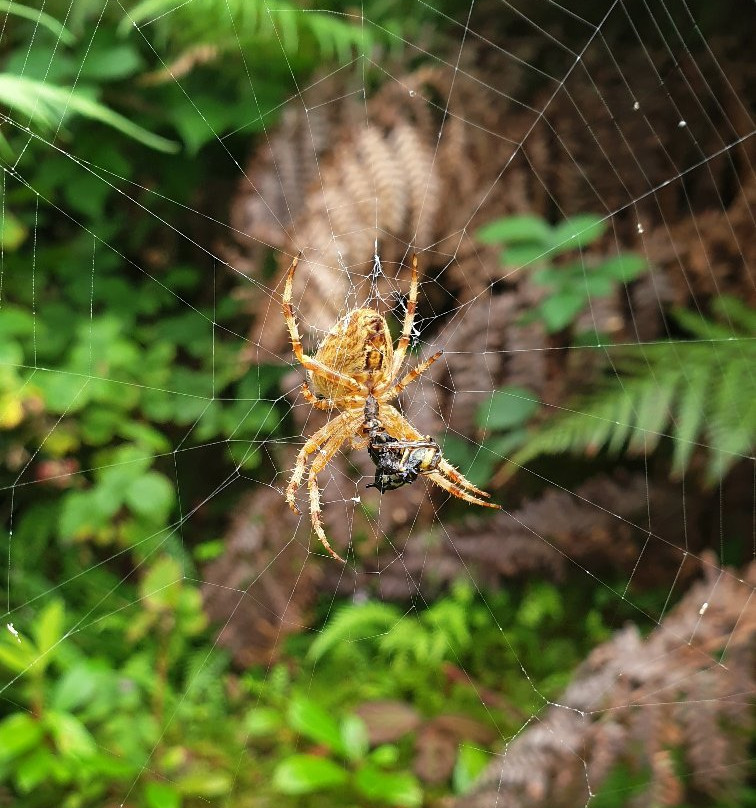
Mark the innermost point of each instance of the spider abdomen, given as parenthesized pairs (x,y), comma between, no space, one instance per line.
(359,346)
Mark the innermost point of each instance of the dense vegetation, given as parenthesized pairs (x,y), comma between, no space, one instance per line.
(122,393)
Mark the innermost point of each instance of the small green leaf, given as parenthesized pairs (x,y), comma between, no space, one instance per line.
(77,686)
(507,408)
(313,721)
(12,232)
(16,656)
(35,768)
(623,268)
(470,763)
(303,774)
(578,231)
(151,495)
(19,733)
(560,310)
(207,784)
(596,285)
(396,788)
(48,628)
(523,255)
(161,795)
(261,721)
(354,737)
(71,737)
(161,586)
(515,230)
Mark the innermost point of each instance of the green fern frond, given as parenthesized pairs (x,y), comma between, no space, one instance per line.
(355,623)
(699,395)
(229,24)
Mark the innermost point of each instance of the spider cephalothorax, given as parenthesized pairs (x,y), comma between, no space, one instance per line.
(356,370)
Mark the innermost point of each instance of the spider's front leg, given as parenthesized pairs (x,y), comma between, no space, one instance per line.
(308,362)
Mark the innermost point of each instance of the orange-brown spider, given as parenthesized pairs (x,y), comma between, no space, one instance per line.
(356,363)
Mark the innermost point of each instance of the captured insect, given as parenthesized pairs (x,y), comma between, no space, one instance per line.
(357,371)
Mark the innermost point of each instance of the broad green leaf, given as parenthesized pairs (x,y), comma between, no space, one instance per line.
(507,408)
(38,18)
(623,268)
(313,721)
(303,774)
(151,495)
(515,230)
(395,788)
(577,231)
(162,795)
(19,733)
(48,627)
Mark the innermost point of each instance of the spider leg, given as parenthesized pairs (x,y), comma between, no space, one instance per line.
(399,427)
(458,491)
(313,444)
(311,364)
(318,464)
(409,318)
(318,403)
(410,377)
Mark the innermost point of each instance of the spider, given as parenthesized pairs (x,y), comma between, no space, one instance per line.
(356,370)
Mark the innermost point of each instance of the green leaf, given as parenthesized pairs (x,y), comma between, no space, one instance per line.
(303,774)
(162,795)
(398,788)
(470,763)
(596,285)
(161,586)
(507,408)
(76,687)
(38,18)
(48,628)
(46,105)
(354,737)
(35,768)
(71,737)
(16,656)
(207,784)
(577,231)
(111,62)
(523,255)
(12,232)
(151,495)
(313,721)
(515,230)
(559,311)
(19,733)
(261,721)
(623,268)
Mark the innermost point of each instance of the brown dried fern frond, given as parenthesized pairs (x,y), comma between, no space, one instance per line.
(637,704)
